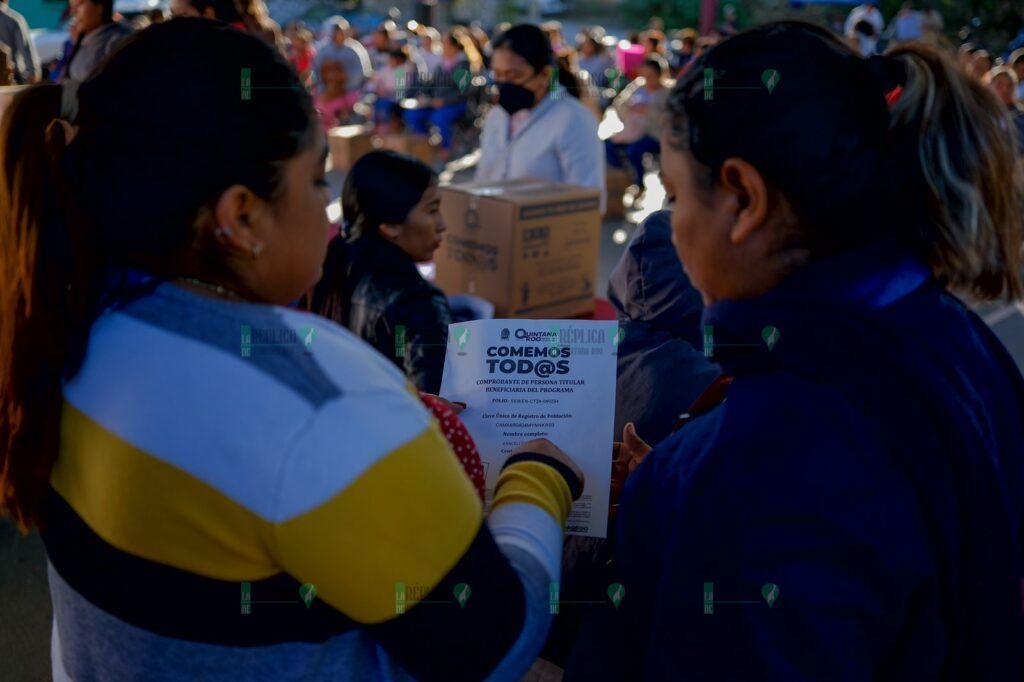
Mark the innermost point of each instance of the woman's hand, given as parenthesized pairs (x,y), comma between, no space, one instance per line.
(626,457)
(457,408)
(543,446)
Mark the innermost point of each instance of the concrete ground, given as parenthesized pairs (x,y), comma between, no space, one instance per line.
(25,612)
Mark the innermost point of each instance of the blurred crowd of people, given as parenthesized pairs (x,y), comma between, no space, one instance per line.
(828,471)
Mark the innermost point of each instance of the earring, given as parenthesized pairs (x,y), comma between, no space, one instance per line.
(222,231)
(257,249)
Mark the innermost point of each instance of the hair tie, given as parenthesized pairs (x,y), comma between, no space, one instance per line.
(888,73)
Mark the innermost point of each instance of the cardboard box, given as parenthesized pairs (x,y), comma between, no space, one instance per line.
(528,246)
(348,144)
(617,180)
(416,146)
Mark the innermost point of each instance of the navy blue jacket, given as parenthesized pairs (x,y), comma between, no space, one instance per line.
(870,465)
(661,353)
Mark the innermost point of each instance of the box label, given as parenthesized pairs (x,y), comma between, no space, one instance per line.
(559,208)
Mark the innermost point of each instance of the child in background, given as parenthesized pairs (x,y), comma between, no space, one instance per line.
(332,99)
(390,85)
(301,54)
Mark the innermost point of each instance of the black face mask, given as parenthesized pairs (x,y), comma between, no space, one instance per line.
(513,97)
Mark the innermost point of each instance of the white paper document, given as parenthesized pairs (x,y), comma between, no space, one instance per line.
(526,379)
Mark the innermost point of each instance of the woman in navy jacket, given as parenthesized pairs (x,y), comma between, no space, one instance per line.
(853,509)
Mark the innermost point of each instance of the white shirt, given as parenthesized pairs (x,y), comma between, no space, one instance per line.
(868,13)
(556,141)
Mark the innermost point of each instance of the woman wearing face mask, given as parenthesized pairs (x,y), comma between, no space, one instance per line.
(538,130)
(176,432)
(853,506)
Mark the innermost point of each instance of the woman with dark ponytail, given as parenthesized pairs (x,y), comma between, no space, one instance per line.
(853,508)
(188,446)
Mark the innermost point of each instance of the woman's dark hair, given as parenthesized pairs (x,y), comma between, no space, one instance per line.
(655,62)
(382,187)
(400,54)
(133,189)
(864,28)
(530,43)
(108,9)
(566,76)
(938,169)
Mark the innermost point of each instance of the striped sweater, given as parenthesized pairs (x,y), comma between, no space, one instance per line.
(248,492)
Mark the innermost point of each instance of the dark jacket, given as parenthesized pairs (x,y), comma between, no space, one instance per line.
(660,369)
(870,466)
(390,301)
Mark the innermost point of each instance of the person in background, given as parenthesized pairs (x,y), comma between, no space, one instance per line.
(537,130)
(907,25)
(185,463)
(639,107)
(382,41)
(98,33)
(482,42)
(981,63)
(391,85)
(221,10)
(868,12)
(577,83)
(819,485)
(57,72)
(931,23)
(553,31)
(863,38)
(1002,80)
(654,43)
(442,97)
(371,284)
(156,16)
(256,18)
(662,368)
(964,54)
(349,53)
(6,66)
(594,58)
(332,97)
(15,36)
(729,27)
(684,49)
(1016,62)
(429,51)
(302,54)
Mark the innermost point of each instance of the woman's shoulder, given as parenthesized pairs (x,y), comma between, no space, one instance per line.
(573,111)
(347,360)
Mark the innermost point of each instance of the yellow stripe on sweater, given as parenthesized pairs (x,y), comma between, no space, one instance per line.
(408,519)
(154,510)
(534,483)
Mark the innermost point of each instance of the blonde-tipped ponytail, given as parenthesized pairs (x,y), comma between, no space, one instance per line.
(965,161)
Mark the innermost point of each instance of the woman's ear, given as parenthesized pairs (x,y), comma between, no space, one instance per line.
(390,231)
(547,72)
(749,195)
